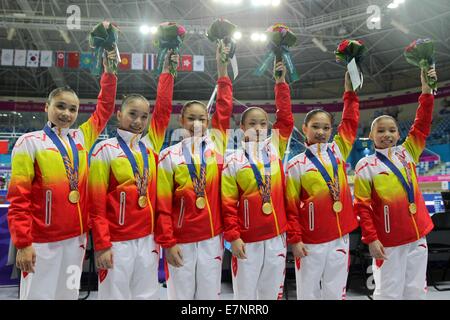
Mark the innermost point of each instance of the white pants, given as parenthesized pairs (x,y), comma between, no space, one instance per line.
(200,276)
(57,271)
(261,275)
(322,274)
(135,271)
(403,274)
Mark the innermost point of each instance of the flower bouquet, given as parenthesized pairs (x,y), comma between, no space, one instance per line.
(169,36)
(421,53)
(349,50)
(221,31)
(280,40)
(351,53)
(103,38)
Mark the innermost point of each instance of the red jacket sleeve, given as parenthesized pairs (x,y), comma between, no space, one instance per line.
(106,102)
(224,105)
(161,113)
(348,128)
(420,130)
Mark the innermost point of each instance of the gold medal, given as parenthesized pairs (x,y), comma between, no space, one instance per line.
(142,201)
(267,208)
(200,202)
(74,196)
(337,206)
(412,208)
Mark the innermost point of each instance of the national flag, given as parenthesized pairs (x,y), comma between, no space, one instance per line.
(73,59)
(60,59)
(46,58)
(125,64)
(7,57)
(199,63)
(33,58)
(149,61)
(86,60)
(4,147)
(20,57)
(137,61)
(186,63)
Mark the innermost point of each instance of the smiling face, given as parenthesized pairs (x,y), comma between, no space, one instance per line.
(134,116)
(318,128)
(254,124)
(62,109)
(384,132)
(195,119)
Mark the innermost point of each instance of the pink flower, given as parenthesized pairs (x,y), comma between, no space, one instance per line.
(411,46)
(181,31)
(343,45)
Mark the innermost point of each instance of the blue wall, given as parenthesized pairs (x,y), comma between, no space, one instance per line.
(443,150)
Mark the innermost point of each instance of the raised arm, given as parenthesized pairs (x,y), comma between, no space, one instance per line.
(420,130)
(348,128)
(163,105)
(284,122)
(220,121)
(105,108)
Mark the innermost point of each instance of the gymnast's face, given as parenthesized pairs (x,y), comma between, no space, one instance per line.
(62,110)
(318,128)
(195,119)
(134,116)
(384,133)
(255,125)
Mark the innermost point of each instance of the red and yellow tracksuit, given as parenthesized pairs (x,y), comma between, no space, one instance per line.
(382,205)
(40,213)
(263,234)
(311,219)
(117,219)
(180,222)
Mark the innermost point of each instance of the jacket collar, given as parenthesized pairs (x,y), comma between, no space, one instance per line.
(318,147)
(130,138)
(62,132)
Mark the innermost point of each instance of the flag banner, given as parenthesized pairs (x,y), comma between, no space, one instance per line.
(86,60)
(125,63)
(20,57)
(199,63)
(73,59)
(33,58)
(60,59)
(149,61)
(137,61)
(186,63)
(46,58)
(7,57)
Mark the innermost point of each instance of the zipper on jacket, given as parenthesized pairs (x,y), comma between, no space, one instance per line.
(246,215)
(311,216)
(181,216)
(123,198)
(48,207)
(387,222)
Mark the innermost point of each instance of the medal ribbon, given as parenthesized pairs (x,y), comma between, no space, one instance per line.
(333,184)
(408,186)
(71,170)
(141,181)
(263,186)
(199,183)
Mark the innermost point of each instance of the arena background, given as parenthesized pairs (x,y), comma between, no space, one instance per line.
(391,85)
